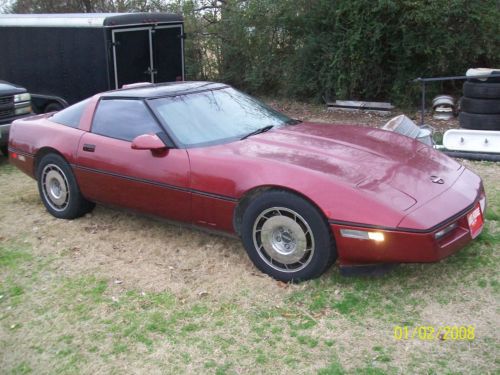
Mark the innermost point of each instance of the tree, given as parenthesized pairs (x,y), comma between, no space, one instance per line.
(309,49)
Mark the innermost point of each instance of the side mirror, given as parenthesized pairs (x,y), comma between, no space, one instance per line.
(148,142)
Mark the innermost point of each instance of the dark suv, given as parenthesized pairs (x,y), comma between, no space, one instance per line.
(15,102)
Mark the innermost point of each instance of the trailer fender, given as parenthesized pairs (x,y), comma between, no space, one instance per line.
(47,103)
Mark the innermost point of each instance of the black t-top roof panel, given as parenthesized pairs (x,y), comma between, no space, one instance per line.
(160,90)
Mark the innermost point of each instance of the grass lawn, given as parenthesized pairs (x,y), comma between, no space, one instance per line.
(113,292)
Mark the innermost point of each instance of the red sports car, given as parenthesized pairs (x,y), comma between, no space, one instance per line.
(300,195)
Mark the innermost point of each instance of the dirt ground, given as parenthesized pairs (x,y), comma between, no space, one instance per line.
(320,113)
(252,324)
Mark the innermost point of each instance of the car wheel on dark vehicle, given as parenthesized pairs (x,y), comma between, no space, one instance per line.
(59,190)
(53,107)
(287,237)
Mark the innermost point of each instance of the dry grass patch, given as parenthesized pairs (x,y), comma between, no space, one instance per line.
(115,292)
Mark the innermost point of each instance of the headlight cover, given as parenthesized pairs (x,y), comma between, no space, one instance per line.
(23,110)
(24,97)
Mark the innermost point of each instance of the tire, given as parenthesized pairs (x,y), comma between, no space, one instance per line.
(59,190)
(5,150)
(483,90)
(52,107)
(481,106)
(299,244)
(479,121)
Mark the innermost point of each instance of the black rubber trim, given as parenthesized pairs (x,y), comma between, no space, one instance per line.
(156,183)
(151,182)
(409,230)
(165,139)
(472,155)
(11,149)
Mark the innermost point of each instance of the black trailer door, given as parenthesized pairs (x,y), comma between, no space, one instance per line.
(168,50)
(133,56)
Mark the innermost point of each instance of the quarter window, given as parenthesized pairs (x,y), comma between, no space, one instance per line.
(123,119)
(71,116)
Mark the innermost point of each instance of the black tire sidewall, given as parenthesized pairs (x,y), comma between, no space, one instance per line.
(482,90)
(76,203)
(324,252)
(480,106)
(479,121)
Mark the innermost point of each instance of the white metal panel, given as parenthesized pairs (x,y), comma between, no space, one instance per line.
(472,140)
(56,20)
(65,20)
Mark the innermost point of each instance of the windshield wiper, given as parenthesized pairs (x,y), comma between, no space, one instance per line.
(293,121)
(258,131)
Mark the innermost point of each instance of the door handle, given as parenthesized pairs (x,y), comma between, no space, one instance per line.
(88,147)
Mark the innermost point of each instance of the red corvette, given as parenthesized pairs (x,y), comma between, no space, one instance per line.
(300,195)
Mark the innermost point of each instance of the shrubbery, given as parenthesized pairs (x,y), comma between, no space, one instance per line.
(308,49)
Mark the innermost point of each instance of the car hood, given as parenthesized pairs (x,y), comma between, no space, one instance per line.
(7,88)
(377,162)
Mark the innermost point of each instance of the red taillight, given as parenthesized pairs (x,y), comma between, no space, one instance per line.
(13,155)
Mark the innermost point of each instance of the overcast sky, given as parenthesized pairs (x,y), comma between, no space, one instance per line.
(3,4)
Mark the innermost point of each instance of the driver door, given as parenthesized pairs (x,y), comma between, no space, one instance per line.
(109,171)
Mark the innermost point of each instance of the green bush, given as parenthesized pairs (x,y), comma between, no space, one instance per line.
(361,49)
(309,49)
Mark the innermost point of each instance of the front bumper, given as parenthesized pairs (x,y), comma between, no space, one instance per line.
(4,134)
(5,127)
(403,246)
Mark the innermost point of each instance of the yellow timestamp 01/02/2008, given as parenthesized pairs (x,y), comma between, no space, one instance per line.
(428,333)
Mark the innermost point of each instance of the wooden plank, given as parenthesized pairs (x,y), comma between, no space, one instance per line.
(354,104)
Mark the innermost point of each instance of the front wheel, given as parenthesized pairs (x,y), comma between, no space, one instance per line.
(286,237)
(59,190)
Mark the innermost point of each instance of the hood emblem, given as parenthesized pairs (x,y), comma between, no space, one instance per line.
(437,180)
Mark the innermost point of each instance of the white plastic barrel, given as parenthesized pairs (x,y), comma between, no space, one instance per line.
(402,125)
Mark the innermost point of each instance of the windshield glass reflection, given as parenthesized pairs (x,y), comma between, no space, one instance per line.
(217,115)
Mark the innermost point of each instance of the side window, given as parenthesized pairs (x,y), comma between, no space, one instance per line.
(71,116)
(123,119)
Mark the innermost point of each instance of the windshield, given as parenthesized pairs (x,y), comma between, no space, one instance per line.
(214,116)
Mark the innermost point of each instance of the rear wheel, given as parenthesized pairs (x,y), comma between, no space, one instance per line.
(59,190)
(286,237)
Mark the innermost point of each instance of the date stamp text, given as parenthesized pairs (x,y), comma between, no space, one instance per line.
(429,333)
